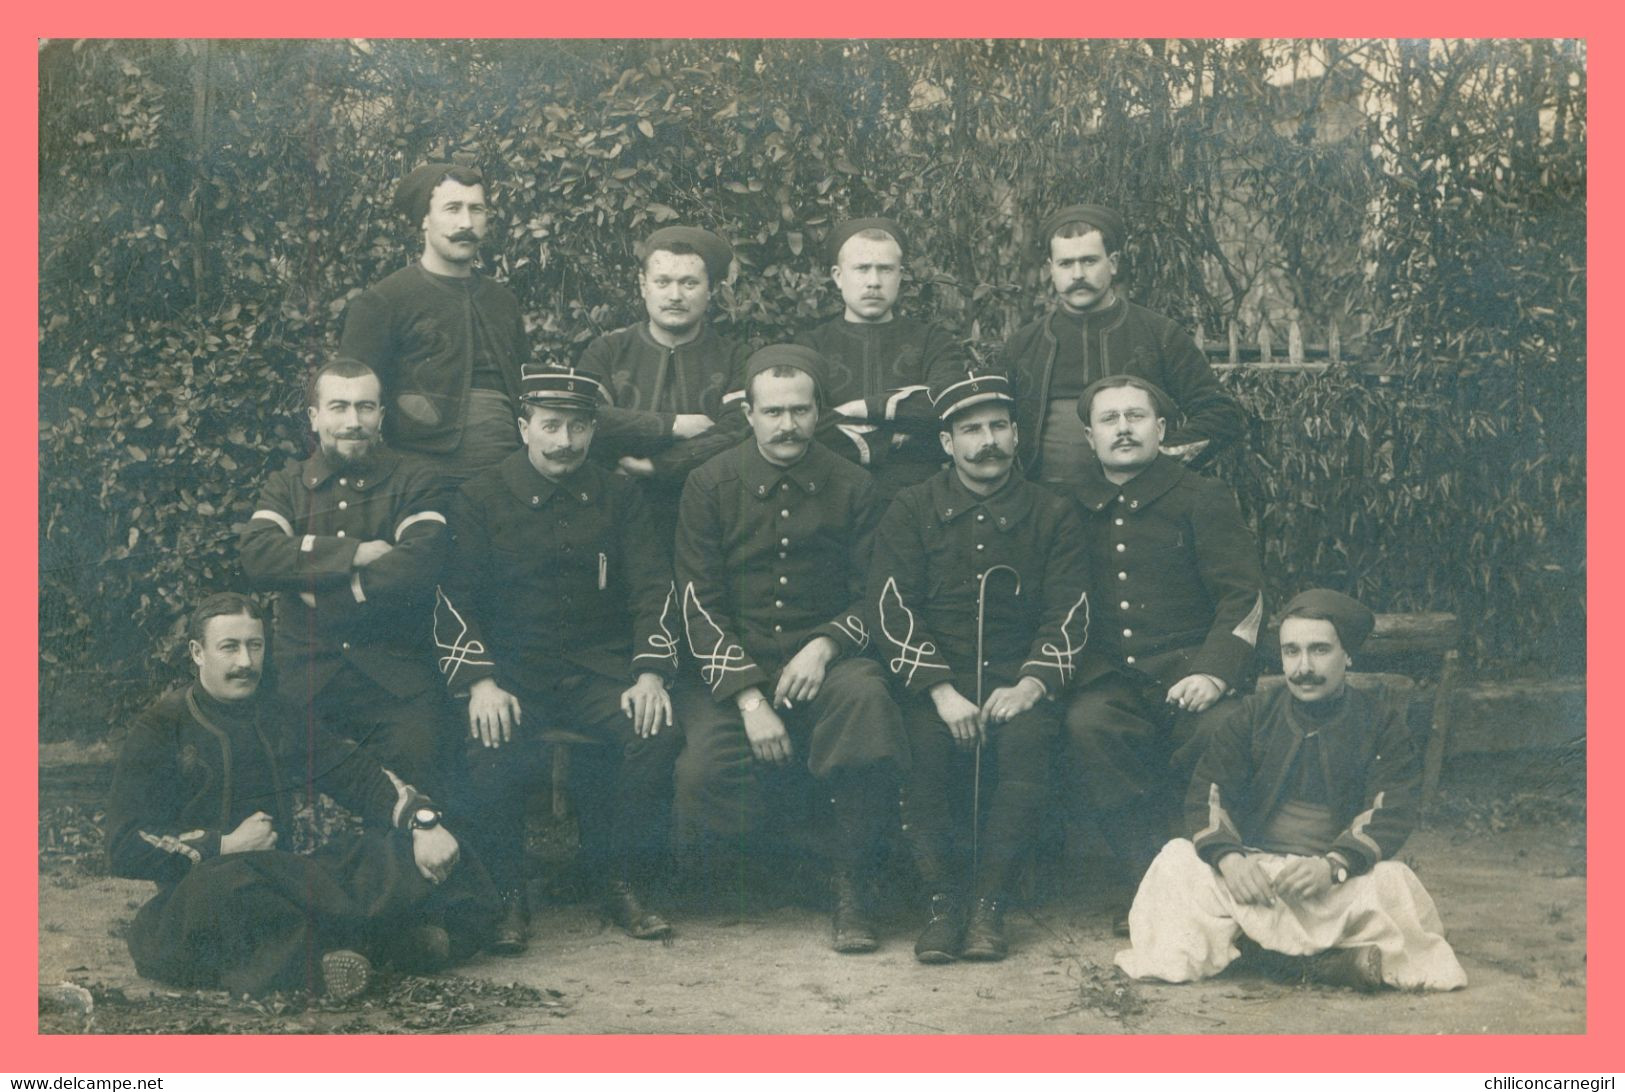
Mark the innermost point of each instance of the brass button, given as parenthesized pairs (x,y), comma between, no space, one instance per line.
(1122,576)
(343,505)
(341,534)
(785,513)
(1121,547)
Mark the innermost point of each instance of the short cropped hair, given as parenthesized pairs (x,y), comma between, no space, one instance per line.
(1118,381)
(345,367)
(220,605)
(1077,229)
(873,234)
(679,249)
(781,371)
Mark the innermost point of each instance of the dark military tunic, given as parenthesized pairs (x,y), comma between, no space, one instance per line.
(1177,590)
(191,770)
(891,367)
(768,559)
(934,545)
(354,643)
(559,592)
(653,383)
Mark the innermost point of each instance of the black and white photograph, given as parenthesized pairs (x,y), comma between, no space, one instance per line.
(827,536)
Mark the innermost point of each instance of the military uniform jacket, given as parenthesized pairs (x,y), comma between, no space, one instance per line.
(309,520)
(1369,761)
(193,768)
(1123,339)
(892,367)
(652,384)
(1176,581)
(769,558)
(550,578)
(418,333)
(935,542)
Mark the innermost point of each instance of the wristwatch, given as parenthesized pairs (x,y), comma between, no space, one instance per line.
(751,704)
(1340,871)
(425,819)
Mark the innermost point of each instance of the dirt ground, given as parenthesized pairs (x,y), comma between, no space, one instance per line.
(1503,856)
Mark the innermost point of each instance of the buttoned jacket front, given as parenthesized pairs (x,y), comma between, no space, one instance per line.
(934,545)
(770,557)
(1175,576)
(300,542)
(1369,763)
(548,578)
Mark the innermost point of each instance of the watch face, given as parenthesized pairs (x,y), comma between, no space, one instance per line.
(425,817)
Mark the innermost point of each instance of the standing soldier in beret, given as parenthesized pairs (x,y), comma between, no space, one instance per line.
(677,384)
(1299,805)
(352,541)
(881,366)
(447,342)
(1095,332)
(773,545)
(557,611)
(1178,595)
(977,564)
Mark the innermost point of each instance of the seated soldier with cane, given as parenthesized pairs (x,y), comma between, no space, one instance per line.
(978,574)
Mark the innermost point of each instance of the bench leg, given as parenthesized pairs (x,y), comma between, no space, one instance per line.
(1444,712)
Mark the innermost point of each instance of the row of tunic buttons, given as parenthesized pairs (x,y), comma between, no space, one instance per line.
(1121,548)
(784,513)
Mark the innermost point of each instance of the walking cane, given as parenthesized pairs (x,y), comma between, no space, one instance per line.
(976,775)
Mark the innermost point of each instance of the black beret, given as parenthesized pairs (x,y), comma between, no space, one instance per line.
(1351,618)
(971,391)
(799,357)
(1166,407)
(848,228)
(412,195)
(561,388)
(1108,221)
(712,249)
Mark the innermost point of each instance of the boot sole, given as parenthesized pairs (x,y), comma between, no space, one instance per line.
(345,975)
(934,957)
(982,955)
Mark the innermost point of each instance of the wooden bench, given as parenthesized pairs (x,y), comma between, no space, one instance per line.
(1404,642)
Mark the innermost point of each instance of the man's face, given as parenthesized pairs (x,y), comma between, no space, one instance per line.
(456,222)
(557,439)
(346,416)
(1124,429)
(782,411)
(1312,658)
(676,290)
(982,442)
(1082,272)
(869,273)
(231,656)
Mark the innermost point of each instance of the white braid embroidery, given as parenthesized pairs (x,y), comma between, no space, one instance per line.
(461,650)
(1063,660)
(910,655)
(715,664)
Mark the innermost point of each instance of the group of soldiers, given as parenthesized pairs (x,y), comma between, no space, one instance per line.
(842,571)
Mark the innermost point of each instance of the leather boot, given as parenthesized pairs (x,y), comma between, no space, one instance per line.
(513,927)
(621,906)
(345,974)
(1355,968)
(940,939)
(984,932)
(854,930)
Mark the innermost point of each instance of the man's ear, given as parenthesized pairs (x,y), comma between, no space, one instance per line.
(1162,429)
(196,649)
(947,439)
(310,412)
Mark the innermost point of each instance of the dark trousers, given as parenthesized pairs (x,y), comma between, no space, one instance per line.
(411,737)
(852,728)
(937,796)
(622,790)
(1133,755)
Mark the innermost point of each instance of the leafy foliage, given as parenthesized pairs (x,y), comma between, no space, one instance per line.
(208,209)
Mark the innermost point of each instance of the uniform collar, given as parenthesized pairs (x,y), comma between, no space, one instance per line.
(316,470)
(1106,316)
(582,485)
(762,478)
(1095,492)
(951,500)
(648,339)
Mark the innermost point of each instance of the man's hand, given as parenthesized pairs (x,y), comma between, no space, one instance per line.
(689,425)
(492,713)
(804,674)
(1304,878)
(368,552)
(1245,881)
(856,409)
(1195,693)
(1186,452)
(959,713)
(634,467)
(435,853)
(253,833)
(769,741)
(647,704)
(1008,702)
